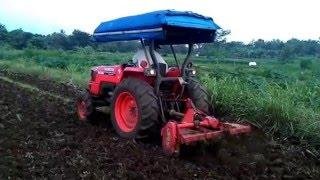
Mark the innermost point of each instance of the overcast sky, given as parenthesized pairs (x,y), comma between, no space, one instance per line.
(247,19)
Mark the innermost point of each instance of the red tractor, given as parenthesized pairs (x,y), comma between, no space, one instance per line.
(147,97)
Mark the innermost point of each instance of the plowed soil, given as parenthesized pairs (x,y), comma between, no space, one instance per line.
(40,137)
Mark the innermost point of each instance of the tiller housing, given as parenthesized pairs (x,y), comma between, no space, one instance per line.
(196,126)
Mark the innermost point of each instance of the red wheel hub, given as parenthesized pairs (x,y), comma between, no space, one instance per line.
(82,110)
(126,112)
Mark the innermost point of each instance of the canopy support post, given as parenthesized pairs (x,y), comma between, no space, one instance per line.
(158,79)
(174,55)
(145,50)
(186,60)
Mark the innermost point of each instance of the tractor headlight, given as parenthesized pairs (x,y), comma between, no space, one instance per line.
(150,72)
(191,72)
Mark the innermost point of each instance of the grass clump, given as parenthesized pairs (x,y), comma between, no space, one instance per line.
(284,111)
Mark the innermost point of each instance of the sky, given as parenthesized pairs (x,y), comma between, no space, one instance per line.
(247,19)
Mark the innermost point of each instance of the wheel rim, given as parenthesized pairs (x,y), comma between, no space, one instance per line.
(82,110)
(126,112)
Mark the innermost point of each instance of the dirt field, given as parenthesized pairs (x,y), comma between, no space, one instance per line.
(40,137)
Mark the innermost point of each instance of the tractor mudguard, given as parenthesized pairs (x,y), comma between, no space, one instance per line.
(138,73)
(114,75)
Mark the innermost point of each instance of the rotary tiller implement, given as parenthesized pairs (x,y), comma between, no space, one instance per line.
(196,126)
(146,94)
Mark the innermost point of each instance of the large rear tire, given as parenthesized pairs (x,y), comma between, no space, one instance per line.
(199,96)
(135,110)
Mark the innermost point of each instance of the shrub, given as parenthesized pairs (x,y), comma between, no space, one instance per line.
(305,64)
(54,63)
(29,53)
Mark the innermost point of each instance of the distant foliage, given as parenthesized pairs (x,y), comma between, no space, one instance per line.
(284,51)
(80,39)
(306,64)
(276,49)
(38,42)
(3,33)
(59,41)
(18,38)
(285,54)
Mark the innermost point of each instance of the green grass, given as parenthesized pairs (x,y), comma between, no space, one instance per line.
(274,109)
(64,75)
(280,98)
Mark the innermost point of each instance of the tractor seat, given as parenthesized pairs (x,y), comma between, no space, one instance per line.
(128,64)
(141,61)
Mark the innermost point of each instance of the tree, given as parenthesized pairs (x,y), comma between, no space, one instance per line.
(80,39)
(217,48)
(259,44)
(59,41)
(275,44)
(38,41)
(222,34)
(286,54)
(19,39)
(3,33)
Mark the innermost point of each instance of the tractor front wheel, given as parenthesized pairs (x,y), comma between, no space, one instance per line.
(135,110)
(85,110)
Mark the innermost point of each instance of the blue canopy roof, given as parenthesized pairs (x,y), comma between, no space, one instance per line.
(164,27)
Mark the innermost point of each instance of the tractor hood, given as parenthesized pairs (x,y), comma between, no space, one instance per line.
(164,27)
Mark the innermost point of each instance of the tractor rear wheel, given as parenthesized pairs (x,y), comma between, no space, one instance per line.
(135,110)
(199,96)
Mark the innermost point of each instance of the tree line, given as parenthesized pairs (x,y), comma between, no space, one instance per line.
(20,39)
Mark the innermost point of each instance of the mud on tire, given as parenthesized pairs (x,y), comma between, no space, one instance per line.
(199,96)
(147,107)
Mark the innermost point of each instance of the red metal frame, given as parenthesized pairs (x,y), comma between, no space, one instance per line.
(196,126)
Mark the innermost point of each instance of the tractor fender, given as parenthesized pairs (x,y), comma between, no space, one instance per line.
(138,73)
(106,78)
